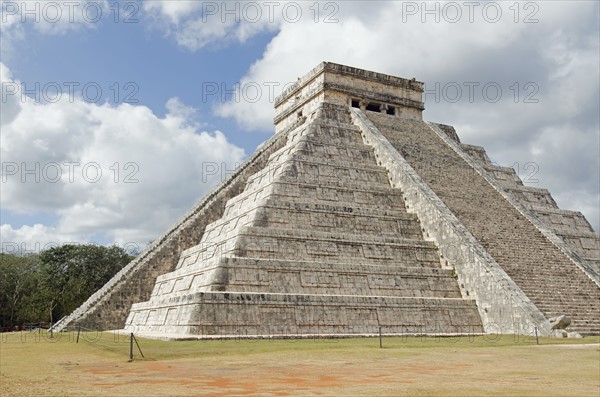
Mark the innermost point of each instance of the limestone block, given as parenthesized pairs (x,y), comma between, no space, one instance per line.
(560,333)
(560,322)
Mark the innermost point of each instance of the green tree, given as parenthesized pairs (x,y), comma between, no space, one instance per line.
(18,278)
(71,273)
(40,288)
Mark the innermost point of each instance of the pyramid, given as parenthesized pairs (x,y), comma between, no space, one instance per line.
(358,217)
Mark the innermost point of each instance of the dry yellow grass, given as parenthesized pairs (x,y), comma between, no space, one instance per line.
(33,365)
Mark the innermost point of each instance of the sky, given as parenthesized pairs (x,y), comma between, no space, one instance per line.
(118,116)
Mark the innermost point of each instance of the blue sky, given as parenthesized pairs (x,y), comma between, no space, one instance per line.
(134,52)
(543,56)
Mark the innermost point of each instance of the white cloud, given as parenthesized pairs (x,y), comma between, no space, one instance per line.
(117,171)
(396,42)
(33,238)
(11,104)
(173,11)
(196,24)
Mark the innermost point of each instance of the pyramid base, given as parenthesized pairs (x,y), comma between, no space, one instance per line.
(268,315)
(313,336)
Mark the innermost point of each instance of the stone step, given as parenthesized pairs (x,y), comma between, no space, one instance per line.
(350,191)
(376,202)
(380,198)
(306,277)
(537,287)
(319,216)
(296,244)
(341,207)
(479,157)
(337,132)
(506,176)
(573,297)
(537,196)
(556,306)
(569,308)
(275,314)
(373,202)
(234,237)
(382,195)
(559,211)
(347,219)
(584,330)
(308,146)
(594,261)
(577,318)
(341,268)
(557,298)
(322,145)
(538,277)
(308,169)
(330,132)
(562,220)
(571,233)
(498,168)
(338,153)
(311,159)
(337,279)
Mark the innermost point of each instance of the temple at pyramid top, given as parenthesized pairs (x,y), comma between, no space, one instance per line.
(347,86)
(359,217)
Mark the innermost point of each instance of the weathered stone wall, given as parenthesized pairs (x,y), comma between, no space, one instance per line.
(340,85)
(236,314)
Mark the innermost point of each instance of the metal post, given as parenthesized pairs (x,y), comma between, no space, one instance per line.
(380,341)
(138,345)
(131,347)
(78,332)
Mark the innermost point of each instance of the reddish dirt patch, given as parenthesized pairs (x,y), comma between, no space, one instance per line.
(185,377)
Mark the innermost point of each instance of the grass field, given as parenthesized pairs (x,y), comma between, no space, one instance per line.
(34,365)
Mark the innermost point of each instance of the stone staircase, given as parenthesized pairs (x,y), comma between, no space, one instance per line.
(546,275)
(318,241)
(570,226)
